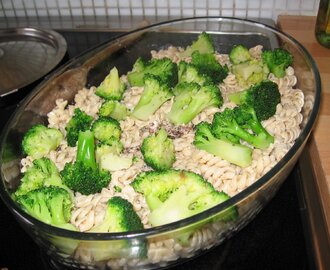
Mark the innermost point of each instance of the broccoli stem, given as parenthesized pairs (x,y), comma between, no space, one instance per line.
(261,138)
(238,131)
(143,111)
(58,211)
(237,154)
(84,175)
(234,153)
(257,128)
(86,149)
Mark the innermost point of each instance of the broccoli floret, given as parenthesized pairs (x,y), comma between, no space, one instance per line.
(239,54)
(155,93)
(250,72)
(120,217)
(111,87)
(51,205)
(277,61)
(187,72)
(203,44)
(246,116)
(235,153)
(39,140)
(139,65)
(112,147)
(173,195)
(43,172)
(113,109)
(33,178)
(191,99)
(106,129)
(83,175)
(239,122)
(263,97)
(157,186)
(80,121)
(109,156)
(207,64)
(164,68)
(182,67)
(158,150)
(203,69)
(115,162)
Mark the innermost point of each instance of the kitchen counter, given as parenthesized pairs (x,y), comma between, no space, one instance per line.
(318,147)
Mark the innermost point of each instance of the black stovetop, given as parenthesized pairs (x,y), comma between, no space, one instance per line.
(275,239)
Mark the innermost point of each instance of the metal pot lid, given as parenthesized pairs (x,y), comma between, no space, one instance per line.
(26,55)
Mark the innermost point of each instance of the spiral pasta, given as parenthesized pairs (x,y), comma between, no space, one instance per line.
(89,210)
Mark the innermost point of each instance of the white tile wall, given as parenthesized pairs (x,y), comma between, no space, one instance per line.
(40,9)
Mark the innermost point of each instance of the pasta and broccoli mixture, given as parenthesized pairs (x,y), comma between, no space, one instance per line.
(187,129)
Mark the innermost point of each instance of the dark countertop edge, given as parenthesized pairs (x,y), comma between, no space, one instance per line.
(313,216)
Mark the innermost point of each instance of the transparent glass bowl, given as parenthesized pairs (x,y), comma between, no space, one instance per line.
(152,248)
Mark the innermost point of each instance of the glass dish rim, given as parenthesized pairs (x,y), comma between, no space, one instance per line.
(149,232)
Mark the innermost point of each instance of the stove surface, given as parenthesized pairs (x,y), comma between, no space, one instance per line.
(275,239)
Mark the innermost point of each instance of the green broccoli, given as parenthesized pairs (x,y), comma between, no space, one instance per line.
(113,146)
(164,68)
(246,117)
(111,87)
(139,65)
(239,54)
(109,156)
(187,72)
(106,129)
(155,93)
(191,99)
(83,175)
(43,172)
(263,97)
(207,64)
(51,205)
(203,44)
(173,195)
(239,122)
(80,121)
(250,72)
(224,148)
(115,162)
(119,217)
(158,150)
(113,109)
(203,69)
(277,61)
(39,140)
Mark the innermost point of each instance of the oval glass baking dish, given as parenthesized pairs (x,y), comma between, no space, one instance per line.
(169,244)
